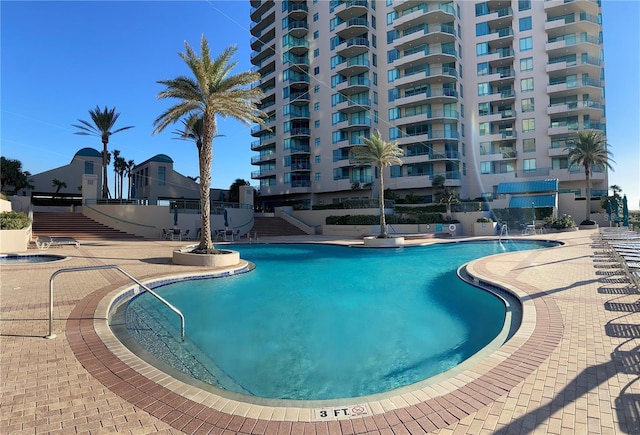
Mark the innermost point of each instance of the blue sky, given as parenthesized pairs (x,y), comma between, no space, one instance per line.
(60,59)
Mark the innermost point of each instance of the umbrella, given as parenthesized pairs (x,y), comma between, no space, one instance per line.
(533,213)
(175,215)
(625,211)
(609,210)
(226,218)
(616,212)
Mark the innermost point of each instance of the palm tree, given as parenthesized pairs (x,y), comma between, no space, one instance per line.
(58,184)
(116,156)
(212,91)
(589,149)
(129,172)
(103,122)
(616,189)
(381,153)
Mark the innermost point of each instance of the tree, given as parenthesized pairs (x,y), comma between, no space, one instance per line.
(103,122)
(616,189)
(11,174)
(444,195)
(380,153)
(211,92)
(58,184)
(129,172)
(234,189)
(116,162)
(589,149)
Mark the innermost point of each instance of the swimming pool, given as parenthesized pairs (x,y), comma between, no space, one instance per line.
(316,322)
(13,259)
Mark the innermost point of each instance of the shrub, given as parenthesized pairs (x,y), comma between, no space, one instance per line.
(484,219)
(11,220)
(563,222)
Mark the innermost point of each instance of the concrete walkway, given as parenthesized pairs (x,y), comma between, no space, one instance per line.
(574,367)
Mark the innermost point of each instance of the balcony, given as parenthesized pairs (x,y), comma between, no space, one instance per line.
(567,128)
(592,108)
(263,158)
(428,34)
(301,166)
(558,7)
(441,95)
(264,142)
(502,96)
(298,29)
(576,23)
(257,27)
(259,8)
(300,132)
(578,86)
(573,44)
(352,28)
(353,47)
(297,11)
(350,8)
(499,17)
(427,13)
(263,173)
(354,66)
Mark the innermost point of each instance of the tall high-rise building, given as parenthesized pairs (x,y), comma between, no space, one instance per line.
(478,92)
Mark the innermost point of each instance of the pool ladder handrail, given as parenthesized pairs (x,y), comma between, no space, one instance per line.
(107,266)
(504,231)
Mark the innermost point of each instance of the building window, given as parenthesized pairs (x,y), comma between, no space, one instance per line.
(527,105)
(317,176)
(526,85)
(529,165)
(316,106)
(316,141)
(162,175)
(483,89)
(528,125)
(526,64)
(316,53)
(485,167)
(526,44)
(316,34)
(524,5)
(484,129)
(483,109)
(316,123)
(315,17)
(482,29)
(317,159)
(88,167)
(529,145)
(483,69)
(482,48)
(525,24)
(316,70)
(316,89)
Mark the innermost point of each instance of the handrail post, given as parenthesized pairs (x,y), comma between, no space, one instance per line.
(51,334)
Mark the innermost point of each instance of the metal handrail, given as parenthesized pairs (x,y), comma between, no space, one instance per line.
(112,266)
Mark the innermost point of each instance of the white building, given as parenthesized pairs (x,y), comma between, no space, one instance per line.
(480,92)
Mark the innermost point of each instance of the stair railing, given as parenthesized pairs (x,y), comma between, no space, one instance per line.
(108,266)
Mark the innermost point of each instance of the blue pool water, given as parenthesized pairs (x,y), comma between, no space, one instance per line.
(324,322)
(28,259)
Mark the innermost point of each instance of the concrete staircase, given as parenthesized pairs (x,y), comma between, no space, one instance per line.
(274,227)
(76,225)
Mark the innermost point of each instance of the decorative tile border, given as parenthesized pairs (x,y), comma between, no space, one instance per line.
(191,409)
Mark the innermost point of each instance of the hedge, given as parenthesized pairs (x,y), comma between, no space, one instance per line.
(11,220)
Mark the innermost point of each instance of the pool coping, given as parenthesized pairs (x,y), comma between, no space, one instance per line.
(187,408)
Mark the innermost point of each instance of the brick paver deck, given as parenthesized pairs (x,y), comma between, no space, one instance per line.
(573,367)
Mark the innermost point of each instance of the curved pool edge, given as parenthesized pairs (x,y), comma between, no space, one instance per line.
(179,404)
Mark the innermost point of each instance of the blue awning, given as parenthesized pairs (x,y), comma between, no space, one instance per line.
(537,200)
(528,187)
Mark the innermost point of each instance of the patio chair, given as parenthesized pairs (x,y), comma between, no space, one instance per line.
(165,235)
(186,235)
(43,243)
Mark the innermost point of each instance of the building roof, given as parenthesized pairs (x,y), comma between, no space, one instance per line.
(160,158)
(536,200)
(528,187)
(88,152)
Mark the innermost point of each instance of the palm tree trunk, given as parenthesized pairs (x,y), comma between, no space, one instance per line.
(105,188)
(383,221)
(588,201)
(205,156)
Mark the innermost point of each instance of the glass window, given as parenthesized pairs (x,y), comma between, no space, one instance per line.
(484,109)
(316,89)
(529,145)
(483,69)
(162,175)
(526,85)
(524,5)
(526,64)
(482,48)
(316,106)
(316,53)
(525,24)
(529,165)
(316,34)
(526,44)
(484,128)
(88,167)
(316,123)
(317,159)
(528,125)
(483,89)
(316,70)
(316,141)
(485,167)
(482,29)
(528,105)
(315,17)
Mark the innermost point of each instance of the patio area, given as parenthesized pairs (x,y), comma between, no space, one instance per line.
(574,369)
